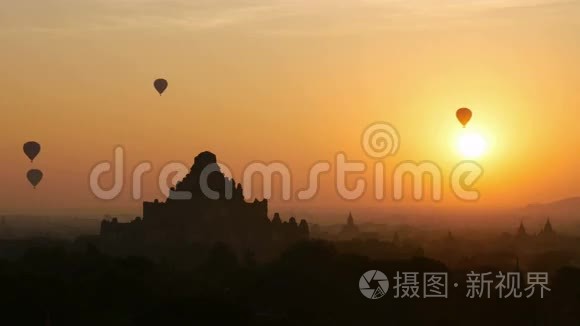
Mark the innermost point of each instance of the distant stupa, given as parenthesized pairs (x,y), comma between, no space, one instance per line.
(349,230)
(547,230)
(396,240)
(450,236)
(522,231)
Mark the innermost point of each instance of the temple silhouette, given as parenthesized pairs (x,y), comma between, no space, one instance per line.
(546,232)
(205,207)
(349,230)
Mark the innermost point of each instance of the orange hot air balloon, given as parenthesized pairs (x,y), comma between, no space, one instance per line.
(463,115)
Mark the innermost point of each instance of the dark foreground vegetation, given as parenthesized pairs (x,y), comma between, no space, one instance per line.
(309,284)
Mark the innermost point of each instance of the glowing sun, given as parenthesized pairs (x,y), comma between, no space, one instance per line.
(471,145)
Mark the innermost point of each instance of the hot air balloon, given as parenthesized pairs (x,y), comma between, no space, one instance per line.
(464,115)
(31,149)
(34,176)
(160,85)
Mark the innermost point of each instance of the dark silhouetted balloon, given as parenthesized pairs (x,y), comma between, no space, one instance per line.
(160,85)
(34,176)
(464,115)
(31,149)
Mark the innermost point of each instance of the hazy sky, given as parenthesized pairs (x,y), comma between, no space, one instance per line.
(289,81)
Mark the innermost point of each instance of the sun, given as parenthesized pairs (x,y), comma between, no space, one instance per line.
(471,145)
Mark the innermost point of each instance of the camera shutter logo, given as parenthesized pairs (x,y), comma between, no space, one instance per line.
(379,288)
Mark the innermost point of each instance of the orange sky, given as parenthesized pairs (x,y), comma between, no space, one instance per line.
(291,81)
